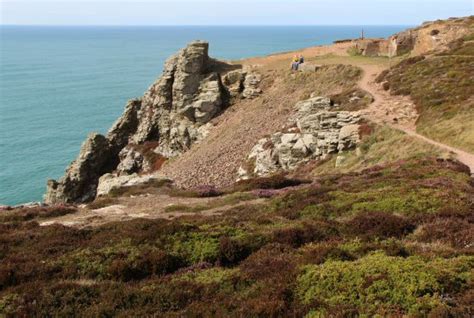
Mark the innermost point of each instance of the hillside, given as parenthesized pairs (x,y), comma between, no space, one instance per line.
(242,189)
(442,86)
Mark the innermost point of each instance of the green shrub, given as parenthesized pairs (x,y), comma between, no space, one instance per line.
(354,51)
(195,247)
(380,284)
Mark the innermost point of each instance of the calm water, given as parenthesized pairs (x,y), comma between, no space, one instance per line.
(59,83)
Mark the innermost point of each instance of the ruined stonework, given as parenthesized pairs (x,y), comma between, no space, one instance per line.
(434,36)
(312,133)
(175,112)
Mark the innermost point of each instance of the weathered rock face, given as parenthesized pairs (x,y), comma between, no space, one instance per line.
(315,131)
(252,85)
(174,112)
(187,96)
(234,81)
(402,43)
(80,181)
(131,161)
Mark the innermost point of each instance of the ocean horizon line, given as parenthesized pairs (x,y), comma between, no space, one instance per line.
(202,25)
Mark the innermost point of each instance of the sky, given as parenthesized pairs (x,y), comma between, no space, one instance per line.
(230,12)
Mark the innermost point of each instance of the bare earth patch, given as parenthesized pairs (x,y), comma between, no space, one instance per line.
(147,206)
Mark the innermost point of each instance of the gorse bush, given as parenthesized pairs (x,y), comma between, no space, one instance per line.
(384,285)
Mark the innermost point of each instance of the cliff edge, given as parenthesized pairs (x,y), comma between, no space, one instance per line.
(173,114)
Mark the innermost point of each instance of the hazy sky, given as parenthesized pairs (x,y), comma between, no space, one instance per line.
(229,12)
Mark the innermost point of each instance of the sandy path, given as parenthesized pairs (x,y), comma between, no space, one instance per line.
(386,108)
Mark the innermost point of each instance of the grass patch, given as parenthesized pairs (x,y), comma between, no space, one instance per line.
(383,144)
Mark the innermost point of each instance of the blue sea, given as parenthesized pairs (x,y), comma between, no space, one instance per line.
(57,84)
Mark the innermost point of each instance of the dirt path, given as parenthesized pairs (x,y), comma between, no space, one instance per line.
(148,207)
(399,113)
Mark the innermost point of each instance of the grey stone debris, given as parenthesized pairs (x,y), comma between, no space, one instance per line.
(320,131)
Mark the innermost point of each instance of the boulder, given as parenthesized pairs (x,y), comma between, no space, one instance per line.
(311,106)
(340,161)
(262,154)
(109,182)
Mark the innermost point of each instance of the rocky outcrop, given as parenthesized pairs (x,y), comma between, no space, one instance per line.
(312,133)
(175,112)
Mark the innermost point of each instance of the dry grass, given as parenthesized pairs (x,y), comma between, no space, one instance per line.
(442,88)
(457,130)
(383,145)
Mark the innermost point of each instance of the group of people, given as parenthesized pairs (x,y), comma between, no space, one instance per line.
(297,60)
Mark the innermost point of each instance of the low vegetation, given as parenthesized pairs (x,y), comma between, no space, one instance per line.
(35,213)
(328,80)
(392,240)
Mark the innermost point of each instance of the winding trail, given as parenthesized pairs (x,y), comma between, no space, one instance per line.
(399,113)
